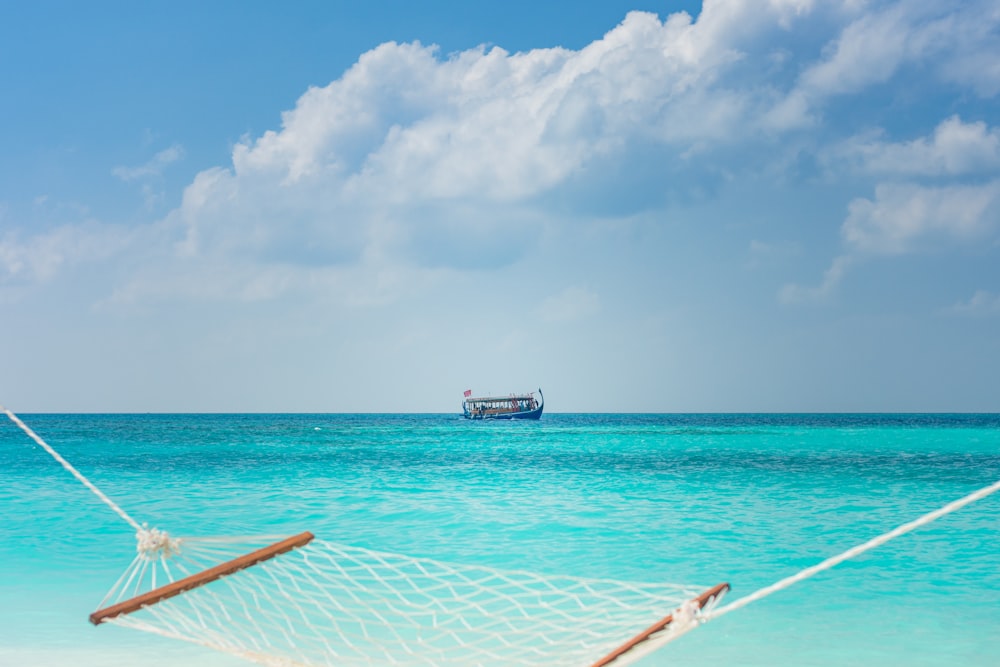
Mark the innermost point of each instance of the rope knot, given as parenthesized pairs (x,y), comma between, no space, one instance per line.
(153,543)
(687,616)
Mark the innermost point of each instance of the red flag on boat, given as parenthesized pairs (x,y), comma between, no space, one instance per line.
(468,392)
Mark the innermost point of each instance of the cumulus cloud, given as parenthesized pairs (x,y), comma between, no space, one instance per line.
(868,51)
(903,218)
(404,126)
(975,61)
(451,162)
(954,148)
(956,43)
(40,257)
(900,216)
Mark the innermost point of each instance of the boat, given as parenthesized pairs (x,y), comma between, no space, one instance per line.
(515,406)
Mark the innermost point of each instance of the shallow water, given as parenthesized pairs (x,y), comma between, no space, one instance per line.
(698,499)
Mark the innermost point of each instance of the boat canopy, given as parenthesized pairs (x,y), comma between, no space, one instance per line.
(500,399)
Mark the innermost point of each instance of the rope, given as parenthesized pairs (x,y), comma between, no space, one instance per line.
(76,473)
(855,551)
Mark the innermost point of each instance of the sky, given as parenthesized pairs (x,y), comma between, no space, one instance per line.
(728,206)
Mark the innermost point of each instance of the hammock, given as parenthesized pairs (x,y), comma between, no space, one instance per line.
(302,601)
(298,601)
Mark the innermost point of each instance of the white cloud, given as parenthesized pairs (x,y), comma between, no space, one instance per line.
(40,257)
(502,126)
(955,148)
(793,293)
(154,167)
(902,215)
(440,162)
(956,42)
(570,305)
(868,51)
(413,158)
(904,218)
(975,62)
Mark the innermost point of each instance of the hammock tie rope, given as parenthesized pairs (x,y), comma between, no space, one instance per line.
(856,551)
(76,473)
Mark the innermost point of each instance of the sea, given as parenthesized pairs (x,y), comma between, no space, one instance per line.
(696,499)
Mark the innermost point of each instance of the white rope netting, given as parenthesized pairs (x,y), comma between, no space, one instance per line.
(328,604)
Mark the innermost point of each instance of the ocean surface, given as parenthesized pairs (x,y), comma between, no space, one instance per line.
(693,499)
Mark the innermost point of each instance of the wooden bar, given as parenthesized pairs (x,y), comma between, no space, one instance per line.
(660,625)
(200,579)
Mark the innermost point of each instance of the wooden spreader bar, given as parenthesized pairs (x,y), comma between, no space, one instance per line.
(659,626)
(202,578)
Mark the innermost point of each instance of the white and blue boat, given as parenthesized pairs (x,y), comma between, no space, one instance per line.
(515,406)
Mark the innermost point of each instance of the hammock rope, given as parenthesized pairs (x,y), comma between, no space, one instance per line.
(855,551)
(76,473)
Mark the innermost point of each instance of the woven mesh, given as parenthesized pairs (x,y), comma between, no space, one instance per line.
(327,604)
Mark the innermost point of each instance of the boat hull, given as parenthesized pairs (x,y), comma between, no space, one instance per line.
(530,414)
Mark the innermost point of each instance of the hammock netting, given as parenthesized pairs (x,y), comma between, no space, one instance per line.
(328,604)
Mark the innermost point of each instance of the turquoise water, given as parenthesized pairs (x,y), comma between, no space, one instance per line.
(696,499)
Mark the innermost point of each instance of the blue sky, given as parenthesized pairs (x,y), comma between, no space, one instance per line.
(371,207)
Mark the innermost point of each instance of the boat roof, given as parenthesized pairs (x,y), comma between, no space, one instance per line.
(500,398)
